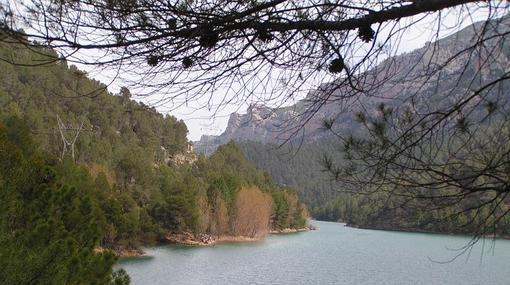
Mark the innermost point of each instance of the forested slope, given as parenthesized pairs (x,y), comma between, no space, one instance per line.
(134,162)
(304,170)
(298,166)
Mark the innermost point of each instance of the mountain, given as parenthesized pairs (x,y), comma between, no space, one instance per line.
(398,83)
(260,123)
(396,79)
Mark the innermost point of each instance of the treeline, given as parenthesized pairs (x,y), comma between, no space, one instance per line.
(125,186)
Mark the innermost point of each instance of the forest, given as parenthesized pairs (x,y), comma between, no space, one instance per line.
(132,181)
(304,170)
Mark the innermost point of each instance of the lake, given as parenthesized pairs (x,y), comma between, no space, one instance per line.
(333,254)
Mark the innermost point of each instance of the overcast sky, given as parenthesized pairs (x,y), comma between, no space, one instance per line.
(212,120)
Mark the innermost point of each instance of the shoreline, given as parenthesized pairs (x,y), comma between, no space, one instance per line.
(122,252)
(422,231)
(188,239)
(202,240)
(414,230)
(291,230)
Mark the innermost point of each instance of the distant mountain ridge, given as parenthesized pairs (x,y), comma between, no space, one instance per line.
(267,125)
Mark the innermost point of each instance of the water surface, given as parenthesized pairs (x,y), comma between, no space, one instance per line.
(333,254)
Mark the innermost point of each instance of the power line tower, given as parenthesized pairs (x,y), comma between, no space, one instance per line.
(63,129)
(68,133)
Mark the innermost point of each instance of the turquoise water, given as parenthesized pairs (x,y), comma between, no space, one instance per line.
(333,254)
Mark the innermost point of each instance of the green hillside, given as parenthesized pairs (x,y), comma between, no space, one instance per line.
(304,170)
(133,180)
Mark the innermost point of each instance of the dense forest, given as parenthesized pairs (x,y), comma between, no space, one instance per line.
(302,167)
(133,179)
(298,166)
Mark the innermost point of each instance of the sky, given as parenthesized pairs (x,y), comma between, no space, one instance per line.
(213,121)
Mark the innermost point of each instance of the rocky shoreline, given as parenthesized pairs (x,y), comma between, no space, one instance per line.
(122,252)
(189,239)
(291,230)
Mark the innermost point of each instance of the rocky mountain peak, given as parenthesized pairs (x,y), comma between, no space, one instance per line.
(400,78)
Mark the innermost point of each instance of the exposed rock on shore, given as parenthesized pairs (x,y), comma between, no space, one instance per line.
(122,251)
(292,230)
(187,238)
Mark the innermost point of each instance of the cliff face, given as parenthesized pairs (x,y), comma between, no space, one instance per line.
(260,124)
(396,79)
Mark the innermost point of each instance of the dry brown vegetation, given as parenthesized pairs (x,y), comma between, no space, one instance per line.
(253,212)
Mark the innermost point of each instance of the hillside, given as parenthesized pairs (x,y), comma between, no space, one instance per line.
(134,163)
